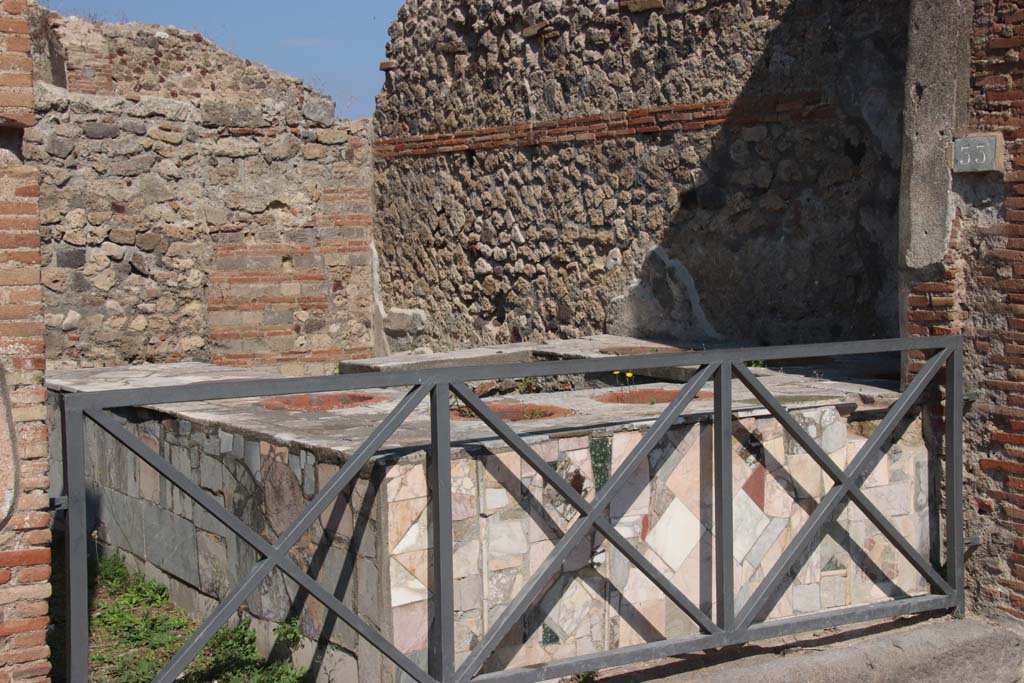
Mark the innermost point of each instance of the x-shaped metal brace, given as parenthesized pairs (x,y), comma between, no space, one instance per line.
(276,555)
(591,516)
(848,484)
(847,487)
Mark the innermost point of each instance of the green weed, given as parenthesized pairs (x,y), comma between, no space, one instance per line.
(529,385)
(534,414)
(289,633)
(136,629)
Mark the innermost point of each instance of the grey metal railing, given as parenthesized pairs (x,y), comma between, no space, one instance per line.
(726,627)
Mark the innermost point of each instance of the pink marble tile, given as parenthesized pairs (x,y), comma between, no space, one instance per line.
(407,481)
(410,627)
(417,563)
(547,450)
(623,444)
(778,497)
(503,471)
(401,517)
(539,552)
(574,443)
(688,578)
(530,654)
(806,474)
(581,459)
(693,485)
(635,496)
(463,506)
(654,613)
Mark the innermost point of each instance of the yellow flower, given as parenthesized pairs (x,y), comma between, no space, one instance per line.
(629,375)
(617,372)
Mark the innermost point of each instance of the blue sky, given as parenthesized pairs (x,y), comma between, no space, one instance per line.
(335,45)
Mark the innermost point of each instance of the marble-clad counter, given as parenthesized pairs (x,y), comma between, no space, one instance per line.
(265,459)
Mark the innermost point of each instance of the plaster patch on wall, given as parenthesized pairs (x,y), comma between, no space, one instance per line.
(979,199)
(662,302)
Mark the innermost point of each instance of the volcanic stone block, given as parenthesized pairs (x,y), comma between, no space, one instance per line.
(171,543)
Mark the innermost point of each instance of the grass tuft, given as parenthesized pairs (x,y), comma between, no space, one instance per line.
(136,629)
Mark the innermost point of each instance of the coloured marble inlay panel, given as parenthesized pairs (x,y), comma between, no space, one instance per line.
(507,521)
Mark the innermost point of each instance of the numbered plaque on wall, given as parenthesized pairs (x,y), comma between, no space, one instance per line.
(978,154)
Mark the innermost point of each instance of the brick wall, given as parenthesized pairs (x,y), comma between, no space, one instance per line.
(300,301)
(979,291)
(933,307)
(87,55)
(15,64)
(25,539)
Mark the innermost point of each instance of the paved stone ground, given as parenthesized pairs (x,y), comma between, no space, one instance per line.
(909,651)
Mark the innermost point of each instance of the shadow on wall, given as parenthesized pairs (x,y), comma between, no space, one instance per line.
(9,464)
(787,231)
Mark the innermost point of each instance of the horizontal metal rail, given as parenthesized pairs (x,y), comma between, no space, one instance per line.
(209,391)
(728,626)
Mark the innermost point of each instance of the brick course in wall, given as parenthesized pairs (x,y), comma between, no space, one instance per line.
(15,65)
(668,119)
(25,539)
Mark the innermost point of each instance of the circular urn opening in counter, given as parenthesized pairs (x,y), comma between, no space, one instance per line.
(318,403)
(639,350)
(646,397)
(513,412)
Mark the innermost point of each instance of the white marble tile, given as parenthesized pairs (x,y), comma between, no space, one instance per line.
(675,535)
(495,499)
(507,538)
(405,588)
(807,598)
(749,521)
(766,540)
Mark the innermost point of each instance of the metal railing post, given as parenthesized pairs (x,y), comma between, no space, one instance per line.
(955,475)
(76,550)
(724,589)
(441,647)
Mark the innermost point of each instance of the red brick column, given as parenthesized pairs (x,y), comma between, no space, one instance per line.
(981,294)
(25,539)
(933,307)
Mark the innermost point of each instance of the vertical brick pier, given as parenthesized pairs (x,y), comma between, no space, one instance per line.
(25,537)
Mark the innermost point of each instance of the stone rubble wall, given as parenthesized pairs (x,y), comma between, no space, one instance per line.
(24,499)
(102,58)
(682,169)
(183,218)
